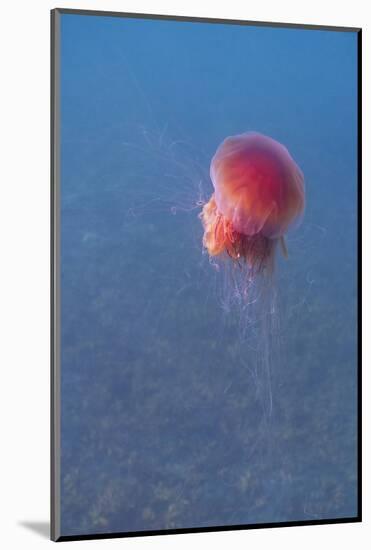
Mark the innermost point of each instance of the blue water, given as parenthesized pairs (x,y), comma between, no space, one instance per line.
(162,424)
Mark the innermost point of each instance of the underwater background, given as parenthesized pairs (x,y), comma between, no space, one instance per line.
(162,425)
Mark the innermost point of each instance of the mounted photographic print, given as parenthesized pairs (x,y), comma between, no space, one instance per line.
(205,274)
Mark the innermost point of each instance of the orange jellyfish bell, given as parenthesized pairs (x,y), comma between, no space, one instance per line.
(258,195)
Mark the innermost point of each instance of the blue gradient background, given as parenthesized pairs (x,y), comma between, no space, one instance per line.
(160,420)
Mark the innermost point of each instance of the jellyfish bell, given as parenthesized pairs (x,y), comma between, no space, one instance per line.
(258,195)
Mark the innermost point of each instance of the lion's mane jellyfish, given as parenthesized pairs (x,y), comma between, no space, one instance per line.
(258,195)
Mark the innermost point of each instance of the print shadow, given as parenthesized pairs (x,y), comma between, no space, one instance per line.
(42,528)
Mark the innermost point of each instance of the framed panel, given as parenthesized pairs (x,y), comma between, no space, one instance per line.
(206,282)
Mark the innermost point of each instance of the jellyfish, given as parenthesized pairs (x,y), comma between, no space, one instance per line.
(258,195)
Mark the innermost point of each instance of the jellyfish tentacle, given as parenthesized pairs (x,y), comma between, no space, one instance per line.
(284,250)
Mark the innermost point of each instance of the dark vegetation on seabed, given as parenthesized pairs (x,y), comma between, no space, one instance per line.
(163,423)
